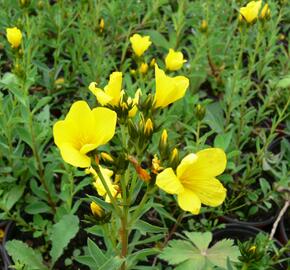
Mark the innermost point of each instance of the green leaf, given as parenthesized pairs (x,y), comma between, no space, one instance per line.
(223,140)
(43,101)
(200,240)
(21,252)
(179,251)
(13,196)
(214,117)
(222,250)
(145,227)
(112,264)
(62,233)
(196,264)
(37,208)
(284,83)
(158,39)
(96,253)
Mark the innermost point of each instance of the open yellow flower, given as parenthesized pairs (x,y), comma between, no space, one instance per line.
(194,182)
(140,44)
(168,89)
(82,131)
(107,174)
(252,10)
(112,91)
(174,60)
(14,36)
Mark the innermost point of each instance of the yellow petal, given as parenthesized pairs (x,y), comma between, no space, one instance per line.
(88,147)
(168,89)
(114,87)
(210,191)
(168,181)
(65,132)
(74,157)
(101,96)
(207,163)
(188,201)
(105,124)
(80,115)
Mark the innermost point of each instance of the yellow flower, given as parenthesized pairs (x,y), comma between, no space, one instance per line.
(107,174)
(194,182)
(168,89)
(97,211)
(14,36)
(174,60)
(112,91)
(140,44)
(251,11)
(134,102)
(82,131)
(143,68)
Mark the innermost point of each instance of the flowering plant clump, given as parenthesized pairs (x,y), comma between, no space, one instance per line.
(142,135)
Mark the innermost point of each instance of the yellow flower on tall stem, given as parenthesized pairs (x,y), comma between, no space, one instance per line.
(194,182)
(14,36)
(174,60)
(140,44)
(112,91)
(168,89)
(251,11)
(82,131)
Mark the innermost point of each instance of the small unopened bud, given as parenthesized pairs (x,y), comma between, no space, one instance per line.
(106,157)
(97,211)
(133,72)
(163,144)
(199,112)
(152,63)
(102,25)
(143,68)
(174,158)
(148,128)
(203,26)
(253,249)
(24,3)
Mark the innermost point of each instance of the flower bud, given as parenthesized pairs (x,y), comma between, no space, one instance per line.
(107,157)
(14,36)
(174,158)
(143,68)
(148,128)
(163,144)
(102,25)
(133,72)
(97,211)
(203,26)
(199,112)
(152,63)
